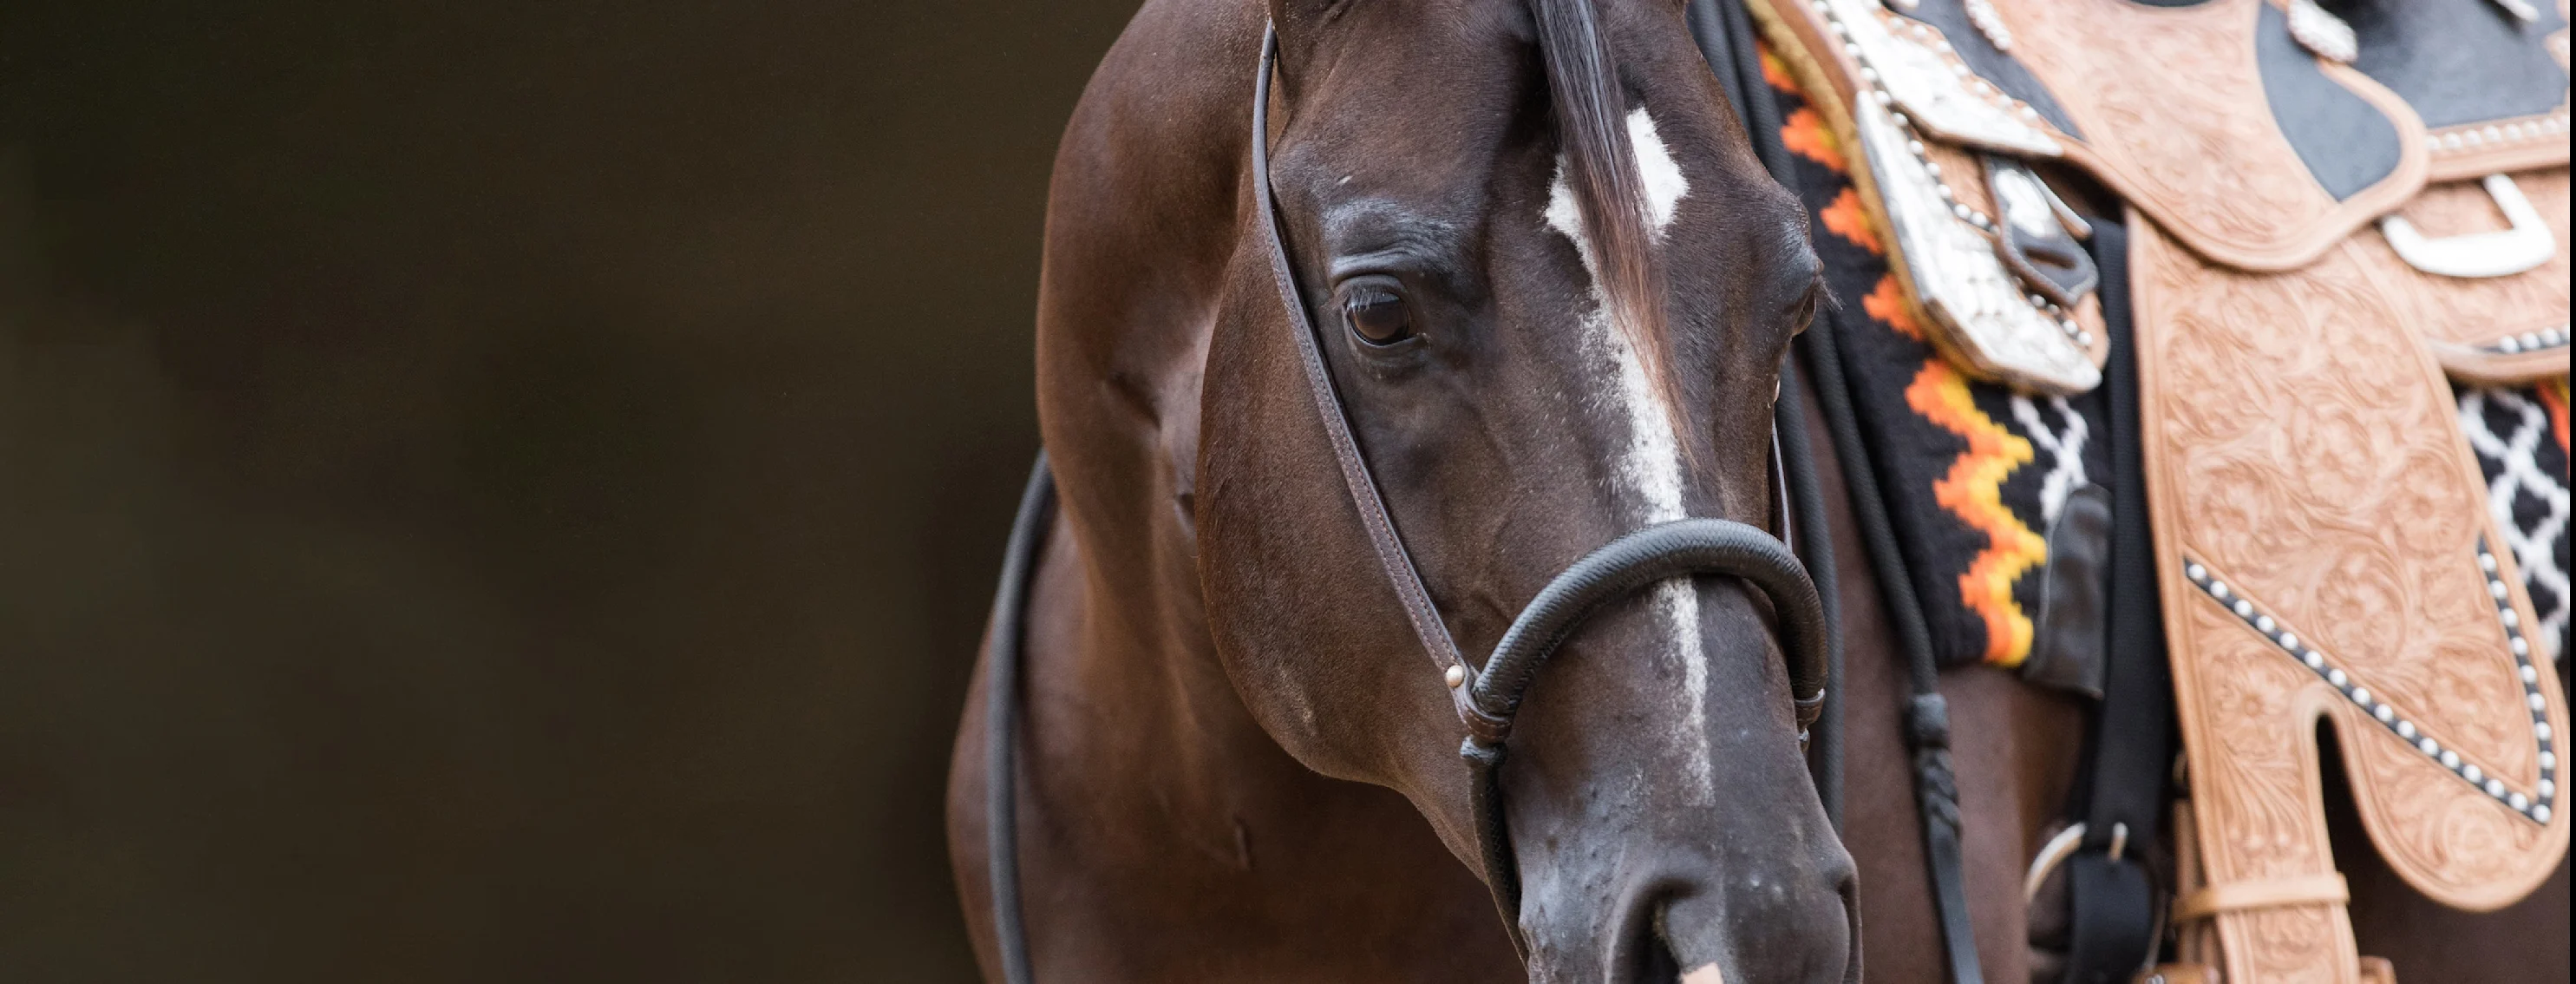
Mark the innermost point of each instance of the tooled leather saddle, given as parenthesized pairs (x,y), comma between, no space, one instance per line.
(2333,211)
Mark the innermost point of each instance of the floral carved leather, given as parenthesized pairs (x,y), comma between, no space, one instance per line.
(2324,553)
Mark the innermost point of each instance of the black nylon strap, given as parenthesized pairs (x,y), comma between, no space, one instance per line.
(2111,901)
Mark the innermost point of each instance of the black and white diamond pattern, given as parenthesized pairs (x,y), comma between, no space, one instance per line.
(2064,449)
(2526,473)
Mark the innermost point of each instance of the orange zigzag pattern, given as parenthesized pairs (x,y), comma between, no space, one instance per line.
(1886,302)
(1846,218)
(1973,491)
(1775,73)
(1806,135)
(2553,394)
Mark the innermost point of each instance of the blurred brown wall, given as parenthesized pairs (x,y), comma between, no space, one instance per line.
(501,490)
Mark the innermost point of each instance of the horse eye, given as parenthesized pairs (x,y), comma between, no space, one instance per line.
(1379,319)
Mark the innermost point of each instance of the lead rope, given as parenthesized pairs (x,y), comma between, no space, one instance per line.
(1926,714)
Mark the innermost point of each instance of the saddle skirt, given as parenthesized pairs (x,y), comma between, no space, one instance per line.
(2332,214)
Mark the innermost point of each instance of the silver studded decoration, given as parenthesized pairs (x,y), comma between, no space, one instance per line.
(1877,91)
(2535,805)
(2530,341)
(2464,139)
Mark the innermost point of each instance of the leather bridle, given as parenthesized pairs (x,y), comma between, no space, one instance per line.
(1487,700)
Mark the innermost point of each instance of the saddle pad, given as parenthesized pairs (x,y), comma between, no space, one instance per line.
(1955,244)
(2305,473)
(1976,476)
(2520,435)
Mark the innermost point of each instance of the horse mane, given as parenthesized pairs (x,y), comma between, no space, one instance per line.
(1601,171)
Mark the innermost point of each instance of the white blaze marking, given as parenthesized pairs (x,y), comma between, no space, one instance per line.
(1650,466)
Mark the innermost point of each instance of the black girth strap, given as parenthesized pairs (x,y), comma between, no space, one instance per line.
(1926,715)
(2111,895)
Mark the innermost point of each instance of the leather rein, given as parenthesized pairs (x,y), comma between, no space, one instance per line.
(1486,699)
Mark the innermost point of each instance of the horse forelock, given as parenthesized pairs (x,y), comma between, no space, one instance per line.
(1601,170)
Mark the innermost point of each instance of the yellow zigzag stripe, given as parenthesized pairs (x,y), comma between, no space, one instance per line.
(1973,491)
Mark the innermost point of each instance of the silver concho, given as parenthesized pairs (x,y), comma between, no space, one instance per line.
(1956,276)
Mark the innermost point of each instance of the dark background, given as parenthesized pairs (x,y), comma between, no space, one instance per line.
(502,490)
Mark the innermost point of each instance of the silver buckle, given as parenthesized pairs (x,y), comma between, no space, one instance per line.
(2479,254)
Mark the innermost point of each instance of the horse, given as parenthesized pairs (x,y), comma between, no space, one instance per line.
(1557,291)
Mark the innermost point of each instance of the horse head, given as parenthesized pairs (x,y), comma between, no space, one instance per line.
(1552,288)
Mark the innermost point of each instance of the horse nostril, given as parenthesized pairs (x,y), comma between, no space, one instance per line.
(1644,954)
(1657,965)
(1797,924)
(1666,968)
(1848,886)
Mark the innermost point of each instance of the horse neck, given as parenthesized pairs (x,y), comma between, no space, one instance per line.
(1142,223)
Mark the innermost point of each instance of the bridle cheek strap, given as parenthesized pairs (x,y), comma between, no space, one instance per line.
(1391,555)
(1487,701)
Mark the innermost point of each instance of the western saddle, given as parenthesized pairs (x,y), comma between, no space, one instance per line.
(2333,210)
